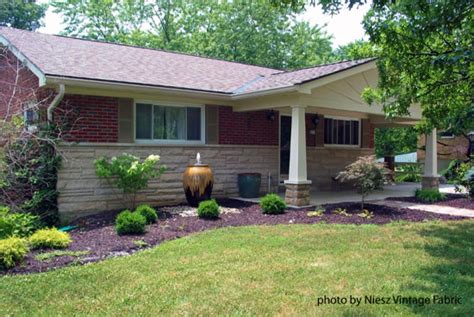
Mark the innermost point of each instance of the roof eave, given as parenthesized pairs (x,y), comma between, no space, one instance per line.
(22,58)
(306,86)
(145,88)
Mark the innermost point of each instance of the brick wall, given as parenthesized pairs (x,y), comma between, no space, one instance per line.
(94,118)
(247,128)
(17,85)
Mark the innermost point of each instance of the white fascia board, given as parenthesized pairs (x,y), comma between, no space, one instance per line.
(99,84)
(21,57)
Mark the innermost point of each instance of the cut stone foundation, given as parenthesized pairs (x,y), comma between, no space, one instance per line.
(430,182)
(297,194)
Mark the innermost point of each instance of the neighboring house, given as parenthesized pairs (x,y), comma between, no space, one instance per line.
(238,116)
(407,158)
(450,148)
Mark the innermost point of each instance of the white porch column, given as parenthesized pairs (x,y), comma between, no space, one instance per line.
(298,185)
(430,179)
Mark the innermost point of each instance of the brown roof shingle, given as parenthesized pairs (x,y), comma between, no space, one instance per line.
(78,58)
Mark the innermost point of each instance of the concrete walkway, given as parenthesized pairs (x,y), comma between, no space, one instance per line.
(446,210)
(378,197)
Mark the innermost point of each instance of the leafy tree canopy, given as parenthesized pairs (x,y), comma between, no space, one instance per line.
(426,58)
(394,141)
(252,32)
(21,14)
(425,51)
(356,50)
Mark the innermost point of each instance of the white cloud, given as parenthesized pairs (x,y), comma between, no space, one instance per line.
(345,26)
(52,21)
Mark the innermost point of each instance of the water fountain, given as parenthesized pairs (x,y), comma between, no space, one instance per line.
(197,182)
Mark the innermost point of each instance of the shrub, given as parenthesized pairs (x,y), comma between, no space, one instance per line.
(128,222)
(409,173)
(17,224)
(147,212)
(208,209)
(50,239)
(464,178)
(272,204)
(128,173)
(342,212)
(12,251)
(429,195)
(366,174)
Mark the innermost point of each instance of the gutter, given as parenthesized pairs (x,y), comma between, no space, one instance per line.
(56,101)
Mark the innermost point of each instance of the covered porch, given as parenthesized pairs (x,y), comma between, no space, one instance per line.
(336,96)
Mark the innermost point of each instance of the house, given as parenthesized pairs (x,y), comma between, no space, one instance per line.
(299,127)
(450,147)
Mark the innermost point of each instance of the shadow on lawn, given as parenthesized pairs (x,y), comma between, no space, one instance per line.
(453,275)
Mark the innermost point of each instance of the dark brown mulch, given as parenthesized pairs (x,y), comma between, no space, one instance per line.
(97,235)
(452,200)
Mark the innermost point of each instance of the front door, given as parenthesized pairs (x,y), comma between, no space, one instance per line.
(285,138)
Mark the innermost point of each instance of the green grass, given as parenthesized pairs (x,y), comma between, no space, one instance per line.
(48,256)
(274,270)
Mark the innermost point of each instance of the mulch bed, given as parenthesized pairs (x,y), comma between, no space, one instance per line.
(97,235)
(452,200)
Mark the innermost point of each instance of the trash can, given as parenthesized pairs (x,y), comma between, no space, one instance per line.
(249,184)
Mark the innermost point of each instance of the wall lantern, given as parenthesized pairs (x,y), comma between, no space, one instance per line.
(315,120)
(271,115)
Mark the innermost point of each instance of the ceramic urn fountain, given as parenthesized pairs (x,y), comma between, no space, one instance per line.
(197,182)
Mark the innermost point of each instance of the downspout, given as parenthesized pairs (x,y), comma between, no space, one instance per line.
(56,101)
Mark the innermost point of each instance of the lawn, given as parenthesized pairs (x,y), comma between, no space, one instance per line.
(264,270)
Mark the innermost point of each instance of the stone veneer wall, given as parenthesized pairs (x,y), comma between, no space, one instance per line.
(325,162)
(82,193)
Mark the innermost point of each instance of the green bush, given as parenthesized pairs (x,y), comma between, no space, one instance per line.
(272,204)
(464,179)
(147,212)
(208,209)
(12,251)
(429,195)
(128,222)
(408,173)
(50,239)
(17,224)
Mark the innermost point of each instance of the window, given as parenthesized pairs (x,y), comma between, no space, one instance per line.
(446,135)
(168,123)
(341,132)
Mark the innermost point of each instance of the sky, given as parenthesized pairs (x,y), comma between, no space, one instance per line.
(345,26)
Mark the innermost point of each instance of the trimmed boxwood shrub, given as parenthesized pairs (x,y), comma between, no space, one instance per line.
(128,222)
(272,204)
(12,251)
(148,212)
(429,195)
(50,239)
(208,209)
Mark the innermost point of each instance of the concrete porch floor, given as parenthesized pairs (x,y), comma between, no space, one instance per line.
(332,197)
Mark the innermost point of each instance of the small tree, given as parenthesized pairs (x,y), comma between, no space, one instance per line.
(366,174)
(128,173)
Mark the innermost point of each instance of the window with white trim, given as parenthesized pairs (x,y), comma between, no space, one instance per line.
(341,132)
(168,123)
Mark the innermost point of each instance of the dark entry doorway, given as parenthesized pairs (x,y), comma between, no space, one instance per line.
(285,137)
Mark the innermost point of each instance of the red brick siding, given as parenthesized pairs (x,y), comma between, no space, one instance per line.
(94,119)
(18,85)
(250,128)
(372,136)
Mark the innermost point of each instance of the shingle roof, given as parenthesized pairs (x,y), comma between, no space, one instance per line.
(77,58)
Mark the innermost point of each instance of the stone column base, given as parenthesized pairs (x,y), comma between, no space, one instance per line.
(430,182)
(297,194)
